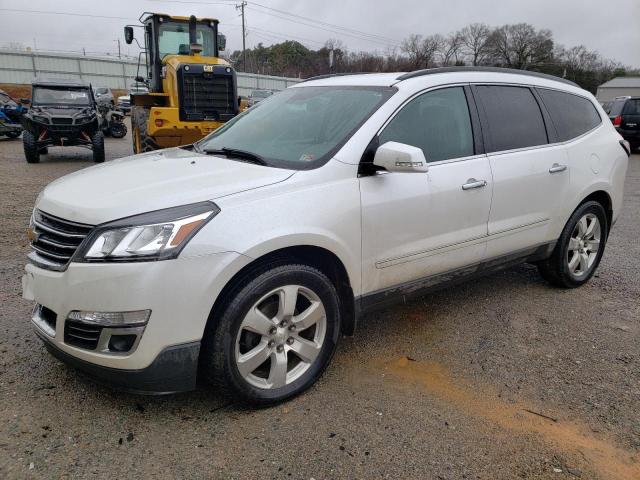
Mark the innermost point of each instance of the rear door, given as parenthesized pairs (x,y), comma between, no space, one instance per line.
(529,175)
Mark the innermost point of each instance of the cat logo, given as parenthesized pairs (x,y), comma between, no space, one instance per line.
(208,68)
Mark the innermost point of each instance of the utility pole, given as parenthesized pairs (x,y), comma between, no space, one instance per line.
(244,35)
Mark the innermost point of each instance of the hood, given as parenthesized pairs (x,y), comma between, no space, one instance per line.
(151,181)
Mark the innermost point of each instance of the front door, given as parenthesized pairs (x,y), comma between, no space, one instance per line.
(418,225)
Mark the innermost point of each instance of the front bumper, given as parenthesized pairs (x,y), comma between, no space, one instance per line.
(179,293)
(174,370)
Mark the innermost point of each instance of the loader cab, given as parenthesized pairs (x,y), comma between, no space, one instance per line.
(192,91)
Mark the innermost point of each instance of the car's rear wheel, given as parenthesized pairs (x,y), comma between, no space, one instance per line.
(275,337)
(118,130)
(31,152)
(97,145)
(579,249)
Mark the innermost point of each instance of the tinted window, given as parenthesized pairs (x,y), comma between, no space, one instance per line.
(438,122)
(616,107)
(632,107)
(572,115)
(515,120)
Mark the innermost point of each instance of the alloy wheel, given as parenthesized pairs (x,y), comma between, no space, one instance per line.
(584,245)
(280,337)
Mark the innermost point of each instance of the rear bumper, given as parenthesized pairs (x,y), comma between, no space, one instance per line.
(629,135)
(173,370)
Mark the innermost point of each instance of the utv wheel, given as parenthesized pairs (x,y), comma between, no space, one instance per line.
(276,335)
(13,134)
(142,142)
(118,130)
(579,249)
(30,145)
(97,145)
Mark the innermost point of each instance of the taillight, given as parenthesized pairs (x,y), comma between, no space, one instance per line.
(617,121)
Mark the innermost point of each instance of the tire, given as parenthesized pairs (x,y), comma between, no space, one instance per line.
(30,145)
(227,339)
(97,145)
(142,142)
(576,256)
(13,134)
(118,130)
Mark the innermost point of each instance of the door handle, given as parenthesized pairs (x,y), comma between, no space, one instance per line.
(556,168)
(473,183)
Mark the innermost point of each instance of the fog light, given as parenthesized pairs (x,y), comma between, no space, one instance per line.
(121,343)
(112,319)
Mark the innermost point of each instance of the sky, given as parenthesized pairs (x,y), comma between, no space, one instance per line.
(610,27)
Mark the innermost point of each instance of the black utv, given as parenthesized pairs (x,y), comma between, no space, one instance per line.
(63,113)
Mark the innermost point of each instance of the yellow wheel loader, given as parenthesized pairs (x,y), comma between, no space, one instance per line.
(191,90)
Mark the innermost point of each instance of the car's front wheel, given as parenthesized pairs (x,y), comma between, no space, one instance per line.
(97,145)
(579,249)
(30,144)
(276,335)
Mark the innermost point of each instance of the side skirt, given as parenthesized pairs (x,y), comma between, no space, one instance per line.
(403,292)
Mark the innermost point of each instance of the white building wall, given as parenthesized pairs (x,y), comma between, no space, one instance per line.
(22,67)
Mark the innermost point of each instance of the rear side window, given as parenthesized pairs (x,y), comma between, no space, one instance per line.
(514,116)
(572,115)
(616,108)
(437,122)
(632,107)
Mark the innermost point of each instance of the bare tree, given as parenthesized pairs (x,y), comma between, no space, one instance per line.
(473,42)
(422,51)
(520,46)
(451,49)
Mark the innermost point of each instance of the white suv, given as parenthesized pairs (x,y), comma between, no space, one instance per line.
(243,258)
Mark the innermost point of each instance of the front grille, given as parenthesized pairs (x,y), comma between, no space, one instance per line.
(81,335)
(62,129)
(54,240)
(62,121)
(205,97)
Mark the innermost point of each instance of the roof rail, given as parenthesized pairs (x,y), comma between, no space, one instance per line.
(329,75)
(432,71)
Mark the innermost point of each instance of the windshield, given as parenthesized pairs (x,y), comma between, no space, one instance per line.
(173,39)
(101,91)
(299,127)
(73,96)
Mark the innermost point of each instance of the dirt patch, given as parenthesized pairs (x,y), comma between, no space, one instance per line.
(518,416)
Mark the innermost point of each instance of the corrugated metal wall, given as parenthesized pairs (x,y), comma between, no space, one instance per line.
(22,67)
(606,94)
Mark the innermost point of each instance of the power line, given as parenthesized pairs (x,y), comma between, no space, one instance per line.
(326,24)
(17,10)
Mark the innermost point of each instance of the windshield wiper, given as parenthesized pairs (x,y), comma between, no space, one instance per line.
(234,153)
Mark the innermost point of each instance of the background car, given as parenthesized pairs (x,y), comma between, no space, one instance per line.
(258,95)
(104,95)
(625,115)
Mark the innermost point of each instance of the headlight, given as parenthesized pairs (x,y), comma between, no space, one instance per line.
(84,119)
(158,235)
(41,119)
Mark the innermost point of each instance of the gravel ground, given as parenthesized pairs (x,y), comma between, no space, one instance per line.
(500,378)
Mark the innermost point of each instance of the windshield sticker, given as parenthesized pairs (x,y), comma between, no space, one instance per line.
(306,157)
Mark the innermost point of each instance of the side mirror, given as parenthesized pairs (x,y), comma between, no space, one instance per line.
(128,35)
(400,157)
(222,42)
(25,101)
